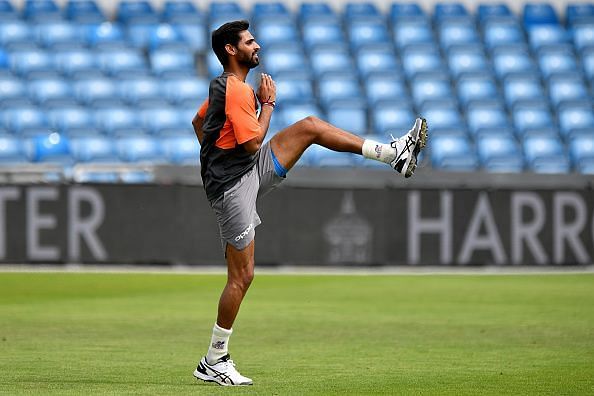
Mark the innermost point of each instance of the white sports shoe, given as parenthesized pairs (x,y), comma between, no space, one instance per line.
(223,372)
(408,147)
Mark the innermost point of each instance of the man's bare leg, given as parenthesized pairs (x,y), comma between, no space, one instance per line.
(401,154)
(240,273)
(289,144)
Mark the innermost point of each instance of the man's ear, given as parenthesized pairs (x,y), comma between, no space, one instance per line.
(231,50)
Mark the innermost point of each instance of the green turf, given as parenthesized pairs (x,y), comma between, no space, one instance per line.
(143,334)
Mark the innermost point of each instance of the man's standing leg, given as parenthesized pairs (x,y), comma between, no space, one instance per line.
(240,273)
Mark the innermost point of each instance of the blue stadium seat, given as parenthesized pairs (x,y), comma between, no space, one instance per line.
(512,60)
(172,63)
(330,61)
(15,34)
(7,11)
(385,87)
(224,8)
(485,115)
(376,59)
(195,36)
(320,32)
(138,34)
(96,92)
(500,153)
(213,65)
(309,11)
(11,150)
(581,152)
(552,62)
(421,59)
(361,11)
(76,63)
(269,9)
(287,59)
(26,120)
(12,90)
(448,11)
(406,11)
(522,88)
(363,33)
(467,59)
(96,149)
(453,153)
(51,148)
(292,113)
(475,88)
(583,37)
(577,14)
(531,116)
(350,115)
(443,115)
(84,11)
(575,118)
(324,158)
(392,117)
(182,12)
(279,31)
(122,62)
(294,90)
(164,121)
(408,32)
(118,121)
(72,121)
(60,35)
(588,64)
(139,11)
(4,62)
(541,36)
(539,14)
(51,92)
(337,87)
(453,32)
(180,90)
(182,150)
(41,10)
(566,88)
(140,149)
(142,91)
(545,155)
(490,12)
(430,87)
(32,63)
(497,33)
(165,36)
(106,35)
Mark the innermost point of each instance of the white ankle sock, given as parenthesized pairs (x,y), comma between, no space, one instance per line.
(219,344)
(378,151)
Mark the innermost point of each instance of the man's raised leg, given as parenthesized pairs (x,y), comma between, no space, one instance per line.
(401,154)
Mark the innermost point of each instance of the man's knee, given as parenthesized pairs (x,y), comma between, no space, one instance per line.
(243,279)
(310,123)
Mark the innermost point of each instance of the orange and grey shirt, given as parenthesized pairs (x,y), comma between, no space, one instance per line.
(230,119)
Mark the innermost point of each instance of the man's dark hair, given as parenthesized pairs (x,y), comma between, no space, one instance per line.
(227,34)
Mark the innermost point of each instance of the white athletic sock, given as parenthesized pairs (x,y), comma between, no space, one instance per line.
(378,151)
(219,344)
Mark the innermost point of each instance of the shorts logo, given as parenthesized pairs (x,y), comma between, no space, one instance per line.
(218,345)
(378,150)
(244,233)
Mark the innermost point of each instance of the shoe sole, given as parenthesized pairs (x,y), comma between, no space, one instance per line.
(208,378)
(420,144)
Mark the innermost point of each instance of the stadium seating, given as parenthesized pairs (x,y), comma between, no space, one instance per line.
(510,89)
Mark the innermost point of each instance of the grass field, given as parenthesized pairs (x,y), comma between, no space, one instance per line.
(66,333)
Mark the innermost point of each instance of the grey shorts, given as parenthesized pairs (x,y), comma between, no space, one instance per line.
(236,209)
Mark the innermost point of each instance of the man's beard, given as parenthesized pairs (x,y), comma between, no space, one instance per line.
(250,62)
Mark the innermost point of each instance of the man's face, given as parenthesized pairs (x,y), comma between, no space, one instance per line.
(247,50)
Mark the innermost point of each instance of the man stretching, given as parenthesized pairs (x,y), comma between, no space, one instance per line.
(237,167)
